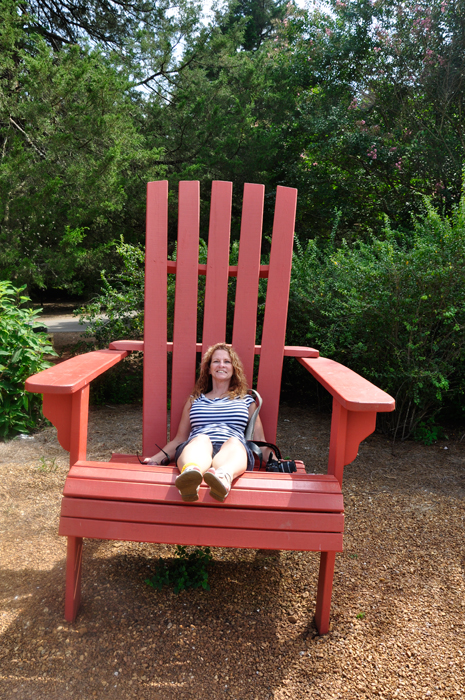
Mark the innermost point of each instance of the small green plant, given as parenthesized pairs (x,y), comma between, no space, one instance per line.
(22,352)
(428,432)
(188,570)
(360,616)
(353,556)
(47,466)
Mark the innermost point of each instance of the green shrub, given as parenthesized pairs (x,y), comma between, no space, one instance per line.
(22,352)
(392,310)
(188,570)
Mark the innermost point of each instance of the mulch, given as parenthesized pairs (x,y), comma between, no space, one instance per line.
(398,613)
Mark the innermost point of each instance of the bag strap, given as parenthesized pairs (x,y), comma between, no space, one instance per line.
(248,433)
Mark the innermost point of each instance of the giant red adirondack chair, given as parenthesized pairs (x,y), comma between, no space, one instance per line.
(123,500)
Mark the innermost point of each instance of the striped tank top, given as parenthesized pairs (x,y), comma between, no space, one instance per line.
(220,418)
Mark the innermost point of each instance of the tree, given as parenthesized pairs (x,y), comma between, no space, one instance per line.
(71,160)
(258,19)
(374,117)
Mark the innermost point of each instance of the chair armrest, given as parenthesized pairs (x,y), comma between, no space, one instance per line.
(74,374)
(66,396)
(355,404)
(351,390)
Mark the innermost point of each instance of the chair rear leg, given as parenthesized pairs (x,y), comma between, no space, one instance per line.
(73,578)
(325,589)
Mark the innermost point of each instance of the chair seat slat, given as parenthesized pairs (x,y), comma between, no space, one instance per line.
(202,536)
(239,497)
(207,517)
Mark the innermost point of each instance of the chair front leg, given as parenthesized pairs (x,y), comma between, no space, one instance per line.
(73,578)
(325,589)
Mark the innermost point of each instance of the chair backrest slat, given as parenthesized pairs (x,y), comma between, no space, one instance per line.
(245,311)
(216,286)
(217,271)
(185,315)
(155,318)
(277,298)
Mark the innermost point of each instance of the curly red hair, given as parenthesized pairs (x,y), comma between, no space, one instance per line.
(238,385)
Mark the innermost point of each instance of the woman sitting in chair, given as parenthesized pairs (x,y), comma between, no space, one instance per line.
(210,443)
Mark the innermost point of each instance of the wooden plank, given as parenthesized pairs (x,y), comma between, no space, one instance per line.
(132,459)
(277,296)
(202,536)
(154,428)
(206,517)
(311,483)
(351,390)
(216,288)
(74,374)
(73,577)
(325,589)
(138,346)
(185,315)
(172,267)
(167,493)
(79,423)
(245,310)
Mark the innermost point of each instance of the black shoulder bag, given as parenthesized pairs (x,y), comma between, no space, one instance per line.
(275,462)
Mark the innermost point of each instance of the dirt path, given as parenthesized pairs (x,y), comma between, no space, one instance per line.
(398,615)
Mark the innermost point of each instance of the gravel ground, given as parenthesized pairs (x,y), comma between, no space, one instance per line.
(398,624)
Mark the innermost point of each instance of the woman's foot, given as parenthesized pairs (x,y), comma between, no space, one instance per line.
(219,483)
(188,483)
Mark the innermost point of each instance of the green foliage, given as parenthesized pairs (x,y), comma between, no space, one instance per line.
(117,313)
(48,466)
(428,432)
(22,352)
(70,153)
(374,111)
(188,570)
(392,309)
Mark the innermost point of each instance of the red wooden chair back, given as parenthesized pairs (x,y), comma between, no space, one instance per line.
(217,271)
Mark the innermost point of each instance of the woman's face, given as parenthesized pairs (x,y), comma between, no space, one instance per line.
(221,367)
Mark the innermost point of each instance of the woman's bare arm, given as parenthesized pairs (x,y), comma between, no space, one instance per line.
(181,436)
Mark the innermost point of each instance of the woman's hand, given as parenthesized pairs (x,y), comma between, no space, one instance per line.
(181,436)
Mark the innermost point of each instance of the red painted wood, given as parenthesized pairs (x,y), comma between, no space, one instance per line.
(214,537)
(57,408)
(155,318)
(245,310)
(274,324)
(171,265)
(79,421)
(73,577)
(125,500)
(75,373)
(351,390)
(360,424)
(337,441)
(138,346)
(216,287)
(185,316)
(205,517)
(325,589)
(314,483)
(252,497)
